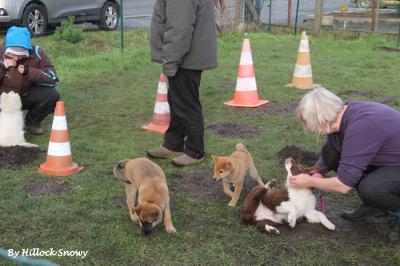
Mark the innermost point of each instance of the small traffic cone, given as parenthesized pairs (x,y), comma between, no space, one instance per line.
(246,94)
(302,76)
(59,159)
(160,122)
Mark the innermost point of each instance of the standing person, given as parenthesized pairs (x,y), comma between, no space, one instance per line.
(362,147)
(184,41)
(28,71)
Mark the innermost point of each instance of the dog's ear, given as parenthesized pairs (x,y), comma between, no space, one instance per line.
(215,158)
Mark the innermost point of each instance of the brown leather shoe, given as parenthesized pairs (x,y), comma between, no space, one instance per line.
(36,130)
(185,160)
(162,153)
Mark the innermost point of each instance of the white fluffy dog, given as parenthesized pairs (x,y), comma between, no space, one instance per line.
(12,121)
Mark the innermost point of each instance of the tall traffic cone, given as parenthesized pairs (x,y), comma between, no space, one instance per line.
(302,76)
(160,121)
(59,158)
(246,94)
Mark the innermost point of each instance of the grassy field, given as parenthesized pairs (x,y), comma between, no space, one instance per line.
(109,95)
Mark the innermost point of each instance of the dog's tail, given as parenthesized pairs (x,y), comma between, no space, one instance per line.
(241,147)
(119,171)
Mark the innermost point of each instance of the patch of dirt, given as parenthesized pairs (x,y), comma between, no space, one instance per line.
(345,232)
(18,155)
(301,156)
(389,49)
(234,130)
(98,43)
(355,95)
(201,186)
(35,189)
(280,109)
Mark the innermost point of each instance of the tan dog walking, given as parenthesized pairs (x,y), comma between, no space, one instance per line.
(146,181)
(232,169)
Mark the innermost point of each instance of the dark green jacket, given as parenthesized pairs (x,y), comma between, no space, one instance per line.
(184,35)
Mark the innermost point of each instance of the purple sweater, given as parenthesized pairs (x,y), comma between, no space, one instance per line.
(369,135)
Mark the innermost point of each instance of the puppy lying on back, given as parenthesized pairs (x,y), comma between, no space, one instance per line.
(232,169)
(146,181)
(267,207)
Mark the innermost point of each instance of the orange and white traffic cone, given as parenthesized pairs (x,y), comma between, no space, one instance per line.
(246,94)
(302,76)
(160,121)
(59,158)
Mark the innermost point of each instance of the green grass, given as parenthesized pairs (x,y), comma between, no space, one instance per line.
(109,95)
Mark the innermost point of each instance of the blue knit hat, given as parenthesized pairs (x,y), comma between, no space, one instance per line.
(18,37)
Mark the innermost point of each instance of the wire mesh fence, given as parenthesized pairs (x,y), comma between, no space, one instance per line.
(125,15)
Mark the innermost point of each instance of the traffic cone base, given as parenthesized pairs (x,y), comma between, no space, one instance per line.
(59,159)
(160,121)
(46,169)
(303,83)
(156,128)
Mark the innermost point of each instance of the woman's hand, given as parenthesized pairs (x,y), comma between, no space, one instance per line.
(300,181)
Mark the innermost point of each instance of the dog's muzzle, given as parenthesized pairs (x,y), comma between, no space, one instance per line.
(147,228)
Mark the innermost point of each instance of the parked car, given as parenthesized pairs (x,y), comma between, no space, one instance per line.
(40,15)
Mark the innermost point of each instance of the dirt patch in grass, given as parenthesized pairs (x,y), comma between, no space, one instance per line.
(35,189)
(389,49)
(200,186)
(280,109)
(301,156)
(355,95)
(18,155)
(231,130)
(98,43)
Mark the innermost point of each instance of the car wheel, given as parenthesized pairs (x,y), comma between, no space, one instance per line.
(35,19)
(109,16)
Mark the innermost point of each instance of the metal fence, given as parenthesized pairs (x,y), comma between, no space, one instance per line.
(336,15)
(348,15)
(344,15)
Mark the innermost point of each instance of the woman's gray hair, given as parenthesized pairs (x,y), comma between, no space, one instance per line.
(318,110)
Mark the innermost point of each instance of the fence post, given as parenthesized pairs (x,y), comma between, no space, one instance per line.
(319,10)
(374,15)
(398,35)
(297,15)
(270,13)
(289,14)
(121,13)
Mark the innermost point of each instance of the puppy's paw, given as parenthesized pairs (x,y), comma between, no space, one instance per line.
(330,226)
(170,230)
(134,217)
(271,230)
(232,204)
(292,220)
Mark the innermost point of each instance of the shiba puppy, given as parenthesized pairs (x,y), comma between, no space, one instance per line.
(232,169)
(12,121)
(146,181)
(267,207)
